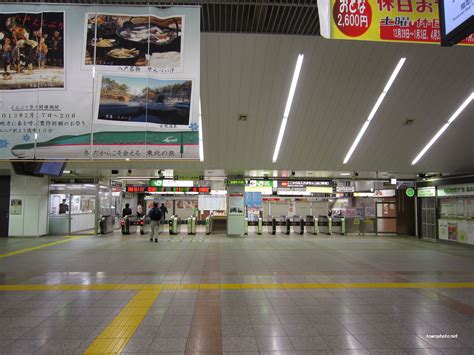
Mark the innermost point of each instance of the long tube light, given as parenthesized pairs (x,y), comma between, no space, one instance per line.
(374,109)
(444,128)
(289,101)
(201,147)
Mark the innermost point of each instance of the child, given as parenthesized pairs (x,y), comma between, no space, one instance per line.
(41,53)
(7,57)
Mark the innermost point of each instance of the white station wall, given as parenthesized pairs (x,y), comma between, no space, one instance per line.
(33,220)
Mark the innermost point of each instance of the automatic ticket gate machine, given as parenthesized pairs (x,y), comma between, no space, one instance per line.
(208,225)
(325,224)
(174,225)
(311,224)
(284,225)
(298,225)
(129,224)
(339,225)
(271,225)
(144,225)
(191,222)
(258,224)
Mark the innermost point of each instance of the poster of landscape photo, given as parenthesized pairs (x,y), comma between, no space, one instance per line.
(133,100)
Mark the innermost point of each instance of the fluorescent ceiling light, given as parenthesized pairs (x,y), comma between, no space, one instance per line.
(345,174)
(201,147)
(374,109)
(444,128)
(289,101)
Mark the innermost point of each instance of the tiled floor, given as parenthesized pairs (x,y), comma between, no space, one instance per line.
(279,295)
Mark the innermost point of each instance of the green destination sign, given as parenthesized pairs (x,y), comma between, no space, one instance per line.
(236,182)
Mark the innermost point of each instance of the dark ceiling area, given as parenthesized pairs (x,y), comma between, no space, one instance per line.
(289,17)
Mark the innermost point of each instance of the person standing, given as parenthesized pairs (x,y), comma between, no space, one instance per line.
(63,207)
(127,211)
(156,215)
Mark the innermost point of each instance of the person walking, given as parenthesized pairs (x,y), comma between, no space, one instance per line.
(164,211)
(156,216)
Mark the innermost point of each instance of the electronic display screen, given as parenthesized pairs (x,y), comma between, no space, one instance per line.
(456,19)
(51,168)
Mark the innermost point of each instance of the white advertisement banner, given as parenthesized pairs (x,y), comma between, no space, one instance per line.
(99,82)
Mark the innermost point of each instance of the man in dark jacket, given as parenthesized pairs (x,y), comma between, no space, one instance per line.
(156,216)
(127,211)
(164,210)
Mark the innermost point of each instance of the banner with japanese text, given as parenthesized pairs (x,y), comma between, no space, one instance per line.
(99,82)
(410,21)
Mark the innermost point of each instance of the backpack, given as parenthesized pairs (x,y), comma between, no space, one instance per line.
(156,214)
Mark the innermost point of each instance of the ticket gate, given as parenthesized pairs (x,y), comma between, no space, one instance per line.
(325,224)
(174,225)
(339,225)
(106,224)
(145,225)
(311,224)
(284,225)
(191,222)
(208,225)
(271,225)
(129,224)
(258,224)
(298,225)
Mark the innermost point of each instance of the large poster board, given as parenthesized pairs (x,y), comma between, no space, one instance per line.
(409,21)
(99,82)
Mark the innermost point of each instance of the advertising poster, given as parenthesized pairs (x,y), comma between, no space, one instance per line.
(236,204)
(99,82)
(452,231)
(16,207)
(410,21)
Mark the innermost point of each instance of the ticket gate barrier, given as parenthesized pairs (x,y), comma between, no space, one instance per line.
(258,224)
(285,225)
(106,224)
(191,225)
(129,224)
(174,225)
(339,225)
(208,225)
(246,226)
(271,224)
(311,224)
(145,225)
(298,225)
(325,224)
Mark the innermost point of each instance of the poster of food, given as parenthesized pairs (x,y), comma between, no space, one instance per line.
(32,50)
(135,100)
(117,40)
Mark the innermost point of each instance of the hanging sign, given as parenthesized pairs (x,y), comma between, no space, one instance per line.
(429,191)
(412,21)
(410,192)
(456,190)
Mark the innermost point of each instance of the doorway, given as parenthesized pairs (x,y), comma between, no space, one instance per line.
(386,215)
(429,230)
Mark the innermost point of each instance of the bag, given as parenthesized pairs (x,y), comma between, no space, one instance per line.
(156,214)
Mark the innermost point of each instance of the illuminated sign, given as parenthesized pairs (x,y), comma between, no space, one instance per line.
(429,191)
(410,192)
(236,182)
(148,189)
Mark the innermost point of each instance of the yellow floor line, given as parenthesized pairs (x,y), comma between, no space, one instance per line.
(26,250)
(158,287)
(115,337)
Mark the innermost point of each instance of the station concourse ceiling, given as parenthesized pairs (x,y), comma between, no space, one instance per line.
(245,71)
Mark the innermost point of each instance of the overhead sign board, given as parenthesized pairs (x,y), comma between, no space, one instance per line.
(456,190)
(320,189)
(409,21)
(429,191)
(305,183)
(236,182)
(171,183)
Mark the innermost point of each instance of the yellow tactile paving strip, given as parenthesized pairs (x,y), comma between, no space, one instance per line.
(115,337)
(26,250)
